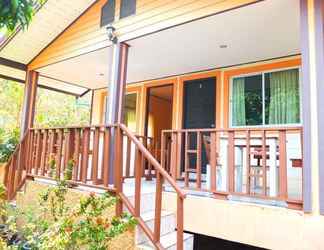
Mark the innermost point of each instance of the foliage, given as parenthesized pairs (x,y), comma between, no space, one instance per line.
(14,13)
(59,227)
(52,109)
(8,145)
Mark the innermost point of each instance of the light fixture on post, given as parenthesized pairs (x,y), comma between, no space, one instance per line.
(111,33)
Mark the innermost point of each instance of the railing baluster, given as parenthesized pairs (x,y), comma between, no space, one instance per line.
(264,163)
(76,157)
(213,162)
(95,154)
(106,156)
(128,156)
(163,150)
(231,158)
(44,152)
(158,207)
(119,168)
(179,222)
(85,155)
(12,177)
(248,162)
(59,152)
(173,160)
(30,151)
(198,160)
(283,190)
(187,158)
(138,176)
(38,151)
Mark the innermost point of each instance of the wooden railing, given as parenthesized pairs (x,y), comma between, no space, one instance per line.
(243,162)
(15,169)
(93,159)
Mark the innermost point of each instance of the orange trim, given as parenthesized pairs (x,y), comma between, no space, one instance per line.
(183,79)
(247,70)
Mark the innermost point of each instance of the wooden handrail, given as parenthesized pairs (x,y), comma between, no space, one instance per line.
(153,161)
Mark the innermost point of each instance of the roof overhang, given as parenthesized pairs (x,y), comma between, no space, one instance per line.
(257,32)
(49,22)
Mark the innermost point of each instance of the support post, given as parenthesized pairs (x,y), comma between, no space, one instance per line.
(312,48)
(115,102)
(28,111)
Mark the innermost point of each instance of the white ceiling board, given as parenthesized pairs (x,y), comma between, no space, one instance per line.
(48,23)
(55,84)
(12,72)
(266,30)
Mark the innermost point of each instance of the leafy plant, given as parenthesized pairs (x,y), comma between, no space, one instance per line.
(7,147)
(15,13)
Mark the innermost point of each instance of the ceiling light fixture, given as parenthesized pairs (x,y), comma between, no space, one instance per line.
(223,46)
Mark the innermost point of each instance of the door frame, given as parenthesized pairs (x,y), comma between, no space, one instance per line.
(147,92)
(145,99)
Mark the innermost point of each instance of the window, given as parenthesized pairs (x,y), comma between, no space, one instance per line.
(127,8)
(129,111)
(266,99)
(108,13)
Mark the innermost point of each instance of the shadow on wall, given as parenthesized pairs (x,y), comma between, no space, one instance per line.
(203,242)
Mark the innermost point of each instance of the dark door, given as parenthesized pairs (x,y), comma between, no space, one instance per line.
(199,111)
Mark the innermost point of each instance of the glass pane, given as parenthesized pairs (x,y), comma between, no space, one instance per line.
(247,101)
(130,111)
(253,100)
(282,105)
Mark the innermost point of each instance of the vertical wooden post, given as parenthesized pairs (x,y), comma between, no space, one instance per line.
(312,50)
(28,111)
(115,102)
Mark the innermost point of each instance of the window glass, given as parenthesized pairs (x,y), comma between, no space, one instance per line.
(247,101)
(130,111)
(282,104)
(273,101)
(127,8)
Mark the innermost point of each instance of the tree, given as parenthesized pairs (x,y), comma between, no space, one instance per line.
(14,13)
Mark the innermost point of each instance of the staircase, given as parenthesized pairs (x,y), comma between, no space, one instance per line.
(89,148)
(168,220)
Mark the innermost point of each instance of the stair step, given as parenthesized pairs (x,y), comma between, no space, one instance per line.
(169,242)
(147,201)
(168,224)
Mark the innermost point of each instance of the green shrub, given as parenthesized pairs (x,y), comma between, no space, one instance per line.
(8,144)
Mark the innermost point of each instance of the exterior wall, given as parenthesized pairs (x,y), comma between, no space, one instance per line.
(263,226)
(29,200)
(223,78)
(85,34)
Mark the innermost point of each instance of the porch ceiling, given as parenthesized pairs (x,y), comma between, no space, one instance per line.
(265,30)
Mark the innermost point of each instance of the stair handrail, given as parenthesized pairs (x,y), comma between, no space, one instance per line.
(153,161)
(161,175)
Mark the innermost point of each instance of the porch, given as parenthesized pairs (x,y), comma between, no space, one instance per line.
(231,126)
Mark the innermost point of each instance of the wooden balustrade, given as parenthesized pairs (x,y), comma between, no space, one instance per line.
(249,161)
(89,148)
